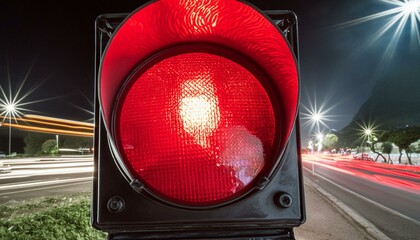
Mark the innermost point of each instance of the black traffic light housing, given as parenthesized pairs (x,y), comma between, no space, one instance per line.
(123,212)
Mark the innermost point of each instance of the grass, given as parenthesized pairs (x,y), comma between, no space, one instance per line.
(64,217)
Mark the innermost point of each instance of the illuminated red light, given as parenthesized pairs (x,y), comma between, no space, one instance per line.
(198,127)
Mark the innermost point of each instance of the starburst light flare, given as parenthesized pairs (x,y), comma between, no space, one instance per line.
(400,15)
(316,116)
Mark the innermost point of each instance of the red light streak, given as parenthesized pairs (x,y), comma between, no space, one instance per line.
(330,167)
(397,183)
(401,177)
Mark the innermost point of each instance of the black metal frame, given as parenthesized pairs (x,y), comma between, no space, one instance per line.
(109,185)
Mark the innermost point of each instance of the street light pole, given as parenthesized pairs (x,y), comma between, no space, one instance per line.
(368,133)
(320,138)
(10,107)
(10,111)
(10,135)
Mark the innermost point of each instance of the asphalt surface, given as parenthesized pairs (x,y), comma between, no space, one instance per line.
(391,208)
(37,177)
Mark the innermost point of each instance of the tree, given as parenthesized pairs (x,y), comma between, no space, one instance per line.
(403,138)
(415,147)
(49,146)
(75,142)
(330,141)
(373,149)
(387,149)
(33,142)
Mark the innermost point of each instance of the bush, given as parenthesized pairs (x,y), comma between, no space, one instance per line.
(49,146)
(50,218)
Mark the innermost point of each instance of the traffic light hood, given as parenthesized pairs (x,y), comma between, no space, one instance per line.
(235,25)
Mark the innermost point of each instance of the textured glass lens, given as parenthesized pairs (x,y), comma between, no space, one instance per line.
(196,128)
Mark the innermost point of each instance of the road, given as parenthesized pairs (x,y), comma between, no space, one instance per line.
(386,195)
(36,177)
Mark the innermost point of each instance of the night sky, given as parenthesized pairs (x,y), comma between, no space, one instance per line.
(52,43)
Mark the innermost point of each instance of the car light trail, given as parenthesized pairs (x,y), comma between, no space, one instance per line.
(377,167)
(43,183)
(394,176)
(39,168)
(329,166)
(50,130)
(53,165)
(397,183)
(74,124)
(50,125)
(51,120)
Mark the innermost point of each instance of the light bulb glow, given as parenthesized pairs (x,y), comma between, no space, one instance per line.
(11,107)
(411,7)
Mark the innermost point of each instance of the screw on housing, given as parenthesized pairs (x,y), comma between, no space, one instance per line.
(116,204)
(284,200)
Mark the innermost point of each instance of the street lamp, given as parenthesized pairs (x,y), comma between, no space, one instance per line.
(11,107)
(12,104)
(10,111)
(410,8)
(368,133)
(317,116)
(395,19)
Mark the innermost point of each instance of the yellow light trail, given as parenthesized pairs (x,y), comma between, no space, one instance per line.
(76,125)
(61,120)
(49,130)
(51,125)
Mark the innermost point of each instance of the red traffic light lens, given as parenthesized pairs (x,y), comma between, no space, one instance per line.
(196,128)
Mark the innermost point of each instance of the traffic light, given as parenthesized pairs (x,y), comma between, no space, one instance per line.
(196,129)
